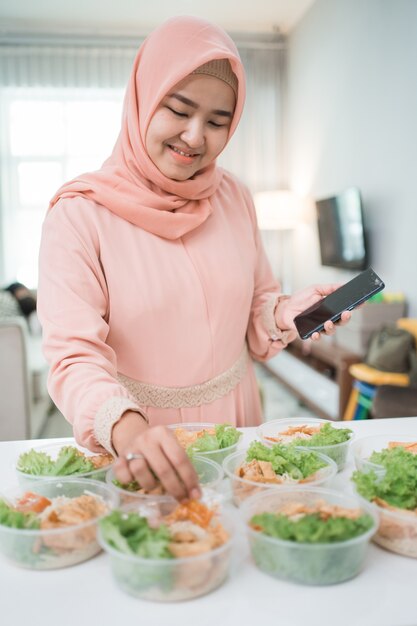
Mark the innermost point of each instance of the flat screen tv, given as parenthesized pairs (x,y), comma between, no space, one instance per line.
(341,230)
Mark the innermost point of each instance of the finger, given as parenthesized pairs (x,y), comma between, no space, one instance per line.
(142,474)
(122,471)
(329,327)
(167,474)
(183,466)
(315,337)
(345,317)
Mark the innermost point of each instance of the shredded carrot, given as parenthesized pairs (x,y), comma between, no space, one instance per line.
(193,511)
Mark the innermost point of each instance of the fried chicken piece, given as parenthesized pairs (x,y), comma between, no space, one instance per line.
(72,513)
(101,460)
(188,437)
(258,473)
(296,510)
(266,469)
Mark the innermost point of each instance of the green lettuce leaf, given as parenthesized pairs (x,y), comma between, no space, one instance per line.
(68,462)
(227,435)
(311,528)
(36,463)
(130,533)
(16,519)
(132,486)
(397,485)
(224,437)
(206,443)
(286,459)
(327,436)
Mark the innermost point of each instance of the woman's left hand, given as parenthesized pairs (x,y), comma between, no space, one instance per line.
(302,300)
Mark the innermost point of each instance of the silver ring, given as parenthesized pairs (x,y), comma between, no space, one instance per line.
(132,456)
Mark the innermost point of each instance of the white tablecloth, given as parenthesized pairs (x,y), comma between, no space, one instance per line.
(85,595)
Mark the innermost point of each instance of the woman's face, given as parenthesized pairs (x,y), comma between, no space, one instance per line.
(190,126)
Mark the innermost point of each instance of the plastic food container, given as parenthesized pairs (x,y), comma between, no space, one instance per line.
(397,531)
(210,476)
(28,480)
(55,548)
(243,488)
(217,456)
(305,563)
(338,452)
(363,448)
(171,580)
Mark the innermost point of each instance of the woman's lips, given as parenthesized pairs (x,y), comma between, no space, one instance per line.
(182,157)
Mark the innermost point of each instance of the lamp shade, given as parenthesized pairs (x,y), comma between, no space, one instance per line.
(277,210)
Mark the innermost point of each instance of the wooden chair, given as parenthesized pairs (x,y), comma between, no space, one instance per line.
(367,379)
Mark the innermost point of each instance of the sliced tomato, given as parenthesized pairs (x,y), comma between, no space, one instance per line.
(32,502)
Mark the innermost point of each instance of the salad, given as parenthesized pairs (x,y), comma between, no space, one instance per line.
(277,465)
(208,439)
(318,523)
(43,532)
(394,492)
(320,436)
(176,556)
(209,475)
(69,461)
(310,541)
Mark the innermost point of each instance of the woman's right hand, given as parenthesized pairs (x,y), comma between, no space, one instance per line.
(163,459)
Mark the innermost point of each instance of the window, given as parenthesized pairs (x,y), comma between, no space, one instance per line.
(50,136)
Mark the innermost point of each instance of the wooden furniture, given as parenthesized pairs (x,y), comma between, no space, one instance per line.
(372,378)
(317,373)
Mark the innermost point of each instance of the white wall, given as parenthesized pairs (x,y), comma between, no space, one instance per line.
(352,120)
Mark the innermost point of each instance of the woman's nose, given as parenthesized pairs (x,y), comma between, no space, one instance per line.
(193,134)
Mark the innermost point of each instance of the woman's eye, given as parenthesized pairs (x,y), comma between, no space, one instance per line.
(177,112)
(216,125)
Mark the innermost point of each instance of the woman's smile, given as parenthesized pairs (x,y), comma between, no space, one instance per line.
(183,156)
(190,126)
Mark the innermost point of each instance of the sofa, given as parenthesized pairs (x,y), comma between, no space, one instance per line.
(24,400)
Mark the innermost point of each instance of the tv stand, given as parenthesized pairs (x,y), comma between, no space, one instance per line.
(317,373)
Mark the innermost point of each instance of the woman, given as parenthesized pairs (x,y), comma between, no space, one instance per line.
(155,292)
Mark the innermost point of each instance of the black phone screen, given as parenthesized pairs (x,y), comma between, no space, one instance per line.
(345,298)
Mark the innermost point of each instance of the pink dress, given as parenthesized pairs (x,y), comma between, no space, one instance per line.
(117,300)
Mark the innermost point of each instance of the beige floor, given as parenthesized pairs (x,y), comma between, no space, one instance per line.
(278,403)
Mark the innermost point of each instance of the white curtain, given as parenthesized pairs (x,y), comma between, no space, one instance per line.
(33,67)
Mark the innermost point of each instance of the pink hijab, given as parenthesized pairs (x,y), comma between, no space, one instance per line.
(128,183)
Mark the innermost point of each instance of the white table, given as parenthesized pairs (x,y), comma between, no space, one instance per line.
(85,595)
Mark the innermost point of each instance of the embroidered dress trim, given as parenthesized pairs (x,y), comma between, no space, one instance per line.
(108,415)
(268,319)
(195,395)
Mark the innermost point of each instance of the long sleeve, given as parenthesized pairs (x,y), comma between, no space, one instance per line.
(73,309)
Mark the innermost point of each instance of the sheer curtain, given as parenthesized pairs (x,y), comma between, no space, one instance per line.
(60,107)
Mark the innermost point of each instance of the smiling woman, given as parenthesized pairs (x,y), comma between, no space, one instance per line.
(190,127)
(155,293)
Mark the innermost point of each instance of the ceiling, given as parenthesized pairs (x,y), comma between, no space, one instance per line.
(136,17)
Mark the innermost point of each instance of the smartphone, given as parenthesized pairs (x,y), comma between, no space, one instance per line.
(346,298)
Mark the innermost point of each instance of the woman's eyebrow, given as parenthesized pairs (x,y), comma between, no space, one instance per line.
(190,103)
